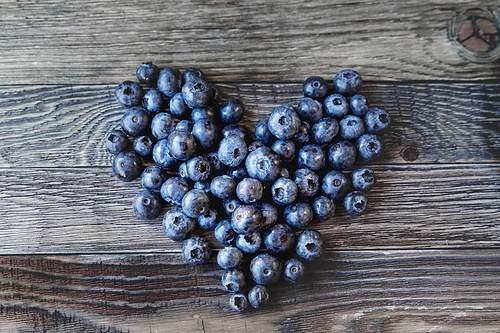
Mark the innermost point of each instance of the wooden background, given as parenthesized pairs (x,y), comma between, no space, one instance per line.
(425,257)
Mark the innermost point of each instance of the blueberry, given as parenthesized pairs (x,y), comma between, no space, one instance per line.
(146,205)
(237,173)
(147,73)
(169,81)
(298,215)
(198,169)
(355,203)
(269,214)
(285,149)
(284,122)
(265,269)
(209,220)
(222,186)
(127,166)
(182,145)
(116,142)
(196,250)
(162,125)
(335,184)
(377,121)
(351,127)
(312,157)
(358,105)
(205,132)
(310,110)
(153,177)
(192,73)
(315,87)
(206,113)
(185,125)
(143,145)
(308,183)
(229,257)
(363,179)
(302,135)
(232,150)
(255,145)
(224,233)
(336,106)
(230,205)
(218,168)
(249,243)
(347,82)
(195,203)
(263,164)
(178,107)
(279,238)
(135,121)
(129,94)
(258,296)
(238,302)
(153,100)
(324,130)
(235,129)
(162,155)
(249,190)
(323,208)
(342,155)
(294,270)
(284,191)
(234,280)
(196,93)
(174,189)
(246,219)
(232,111)
(369,147)
(263,134)
(177,225)
(310,245)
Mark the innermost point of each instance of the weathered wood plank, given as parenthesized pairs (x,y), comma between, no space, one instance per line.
(63,42)
(90,211)
(65,126)
(361,291)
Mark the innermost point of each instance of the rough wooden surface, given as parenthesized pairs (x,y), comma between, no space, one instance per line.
(424,258)
(359,291)
(69,42)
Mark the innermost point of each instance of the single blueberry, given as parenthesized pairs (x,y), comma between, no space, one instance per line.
(127,166)
(195,203)
(351,127)
(347,82)
(315,87)
(162,125)
(263,134)
(198,169)
(182,145)
(342,155)
(147,73)
(196,93)
(310,245)
(232,150)
(153,177)
(335,184)
(169,81)
(298,215)
(355,203)
(209,220)
(178,107)
(377,121)
(192,73)
(358,105)
(246,219)
(136,121)
(263,164)
(324,130)
(294,270)
(312,157)
(129,94)
(230,205)
(363,179)
(174,189)
(249,190)
(177,225)
(258,296)
(265,269)
(162,155)
(233,280)
(143,145)
(185,125)
(232,111)
(336,106)
(285,149)
(369,147)
(153,100)
(249,243)
(284,122)
(116,142)
(206,113)
(308,183)
(284,191)
(323,207)
(229,257)
(310,110)
(222,186)
(238,302)
(196,250)
(146,205)
(279,238)
(224,233)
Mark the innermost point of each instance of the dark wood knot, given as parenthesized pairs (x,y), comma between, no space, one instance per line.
(410,153)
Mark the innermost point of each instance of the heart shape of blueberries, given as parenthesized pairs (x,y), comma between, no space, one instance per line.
(256,195)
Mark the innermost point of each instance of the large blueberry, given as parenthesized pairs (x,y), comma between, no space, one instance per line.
(174,189)
(238,302)
(263,134)
(312,157)
(196,93)
(224,232)
(222,186)
(196,250)
(323,207)
(234,280)
(127,166)
(206,113)
(153,177)
(232,150)
(162,155)
(335,184)
(147,73)
(315,87)
(177,225)
(266,269)
(229,257)
(342,155)
(284,191)
(355,203)
(258,296)
(232,111)
(169,81)
(246,219)
(249,243)
(263,164)
(351,127)
(336,106)
(195,203)
(377,121)
(369,147)
(143,145)
(129,94)
(146,205)
(308,183)
(363,179)
(298,215)
(198,169)
(136,121)
(209,220)
(153,100)
(347,82)
(284,122)
(310,110)
(178,107)
(294,270)
(162,125)
(285,149)
(358,105)
(324,130)
(182,145)
(279,238)
(249,190)
(310,245)
(192,73)
(116,141)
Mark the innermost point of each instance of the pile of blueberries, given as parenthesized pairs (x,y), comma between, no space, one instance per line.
(256,195)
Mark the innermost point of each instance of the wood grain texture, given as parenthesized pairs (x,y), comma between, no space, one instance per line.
(90,211)
(74,42)
(360,291)
(65,126)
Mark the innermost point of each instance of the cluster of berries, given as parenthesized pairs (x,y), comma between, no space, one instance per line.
(252,194)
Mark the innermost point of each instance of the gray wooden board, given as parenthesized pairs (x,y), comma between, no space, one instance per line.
(62,42)
(65,126)
(88,210)
(345,291)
